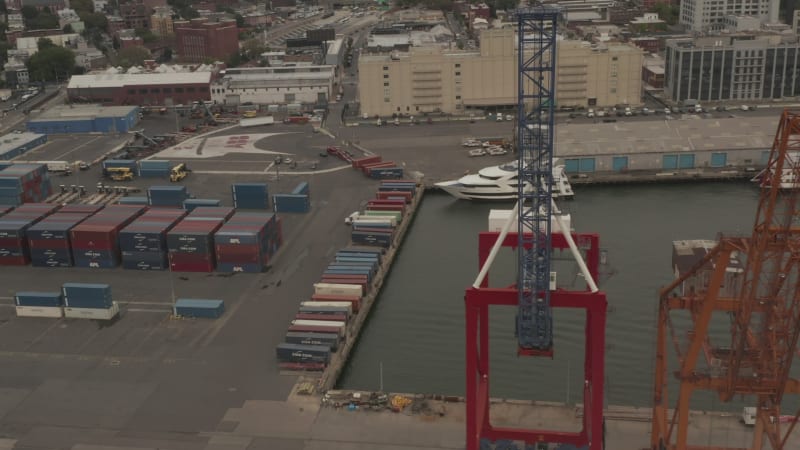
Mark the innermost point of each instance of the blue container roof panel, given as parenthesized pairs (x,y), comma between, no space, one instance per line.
(198,303)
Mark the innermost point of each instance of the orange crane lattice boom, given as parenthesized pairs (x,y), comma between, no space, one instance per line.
(755,282)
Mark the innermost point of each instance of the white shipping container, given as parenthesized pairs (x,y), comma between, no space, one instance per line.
(367,220)
(347,305)
(498,218)
(40,311)
(338,289)
(92,313)
(319,323)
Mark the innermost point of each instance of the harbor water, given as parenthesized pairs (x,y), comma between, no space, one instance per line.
(414,340)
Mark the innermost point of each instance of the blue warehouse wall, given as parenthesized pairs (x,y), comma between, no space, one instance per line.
(121,124)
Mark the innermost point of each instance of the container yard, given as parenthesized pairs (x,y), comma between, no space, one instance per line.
(247,305)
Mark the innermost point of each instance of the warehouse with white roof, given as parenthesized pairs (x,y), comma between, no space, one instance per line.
(275,85)
(140,88)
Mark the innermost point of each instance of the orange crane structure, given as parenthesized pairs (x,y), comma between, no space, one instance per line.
(750,286)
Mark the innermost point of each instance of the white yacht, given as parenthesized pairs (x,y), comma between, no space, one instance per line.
(500,183)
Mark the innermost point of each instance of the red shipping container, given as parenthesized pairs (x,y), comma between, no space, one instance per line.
(93,244)
(379,201)
(191,262)
(310,329)
(49,243)
(234,253)
(14,260)
(409,182)
(384,195)
(11,242)
(358,163)
(367,167)
(315,366)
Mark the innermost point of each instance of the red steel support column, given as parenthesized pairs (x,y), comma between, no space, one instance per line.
(477,320)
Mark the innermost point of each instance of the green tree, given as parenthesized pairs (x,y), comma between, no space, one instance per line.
(82,6)
(253,48)
(666,12)
(94,21)
(67,29)
(188,13)
(44,43)
(131,56)
(234,60)
(166,55)
(240,21)
(29,12)
(146,35)
(44,20)
(51,63)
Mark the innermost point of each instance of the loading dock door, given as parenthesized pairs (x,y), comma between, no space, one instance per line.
(669,162)
(619,163)
(572,165)
(686,161)
(587,165)
(719,159)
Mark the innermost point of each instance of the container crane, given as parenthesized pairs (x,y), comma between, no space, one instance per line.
(753,286)
(537,230)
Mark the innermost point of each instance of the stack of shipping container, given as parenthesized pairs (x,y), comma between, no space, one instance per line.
(144,241)
(49,239)
(375,167)
(247,242)
(39,304)
(376,225)
(298,201)
(191,242)
(14,249)
(153,168)
(24,183)
(95,241)
(88,301)
(170,196)
(320,324)
(250,196)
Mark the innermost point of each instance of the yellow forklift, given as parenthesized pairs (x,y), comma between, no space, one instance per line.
(119,173)
(178,173)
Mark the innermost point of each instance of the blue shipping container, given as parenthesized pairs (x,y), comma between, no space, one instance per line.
(39,299)
(193,307)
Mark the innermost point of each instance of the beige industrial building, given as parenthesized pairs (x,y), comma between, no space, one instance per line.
(431,79)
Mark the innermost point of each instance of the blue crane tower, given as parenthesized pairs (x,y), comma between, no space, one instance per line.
(537,27)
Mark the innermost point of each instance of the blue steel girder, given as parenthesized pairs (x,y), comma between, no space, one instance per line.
(535,111)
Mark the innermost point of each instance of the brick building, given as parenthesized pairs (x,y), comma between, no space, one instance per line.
(650,44)
(140,88)
(199,39)
(135,14)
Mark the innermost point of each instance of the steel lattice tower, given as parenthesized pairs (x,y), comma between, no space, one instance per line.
(536,38)
(534,238)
